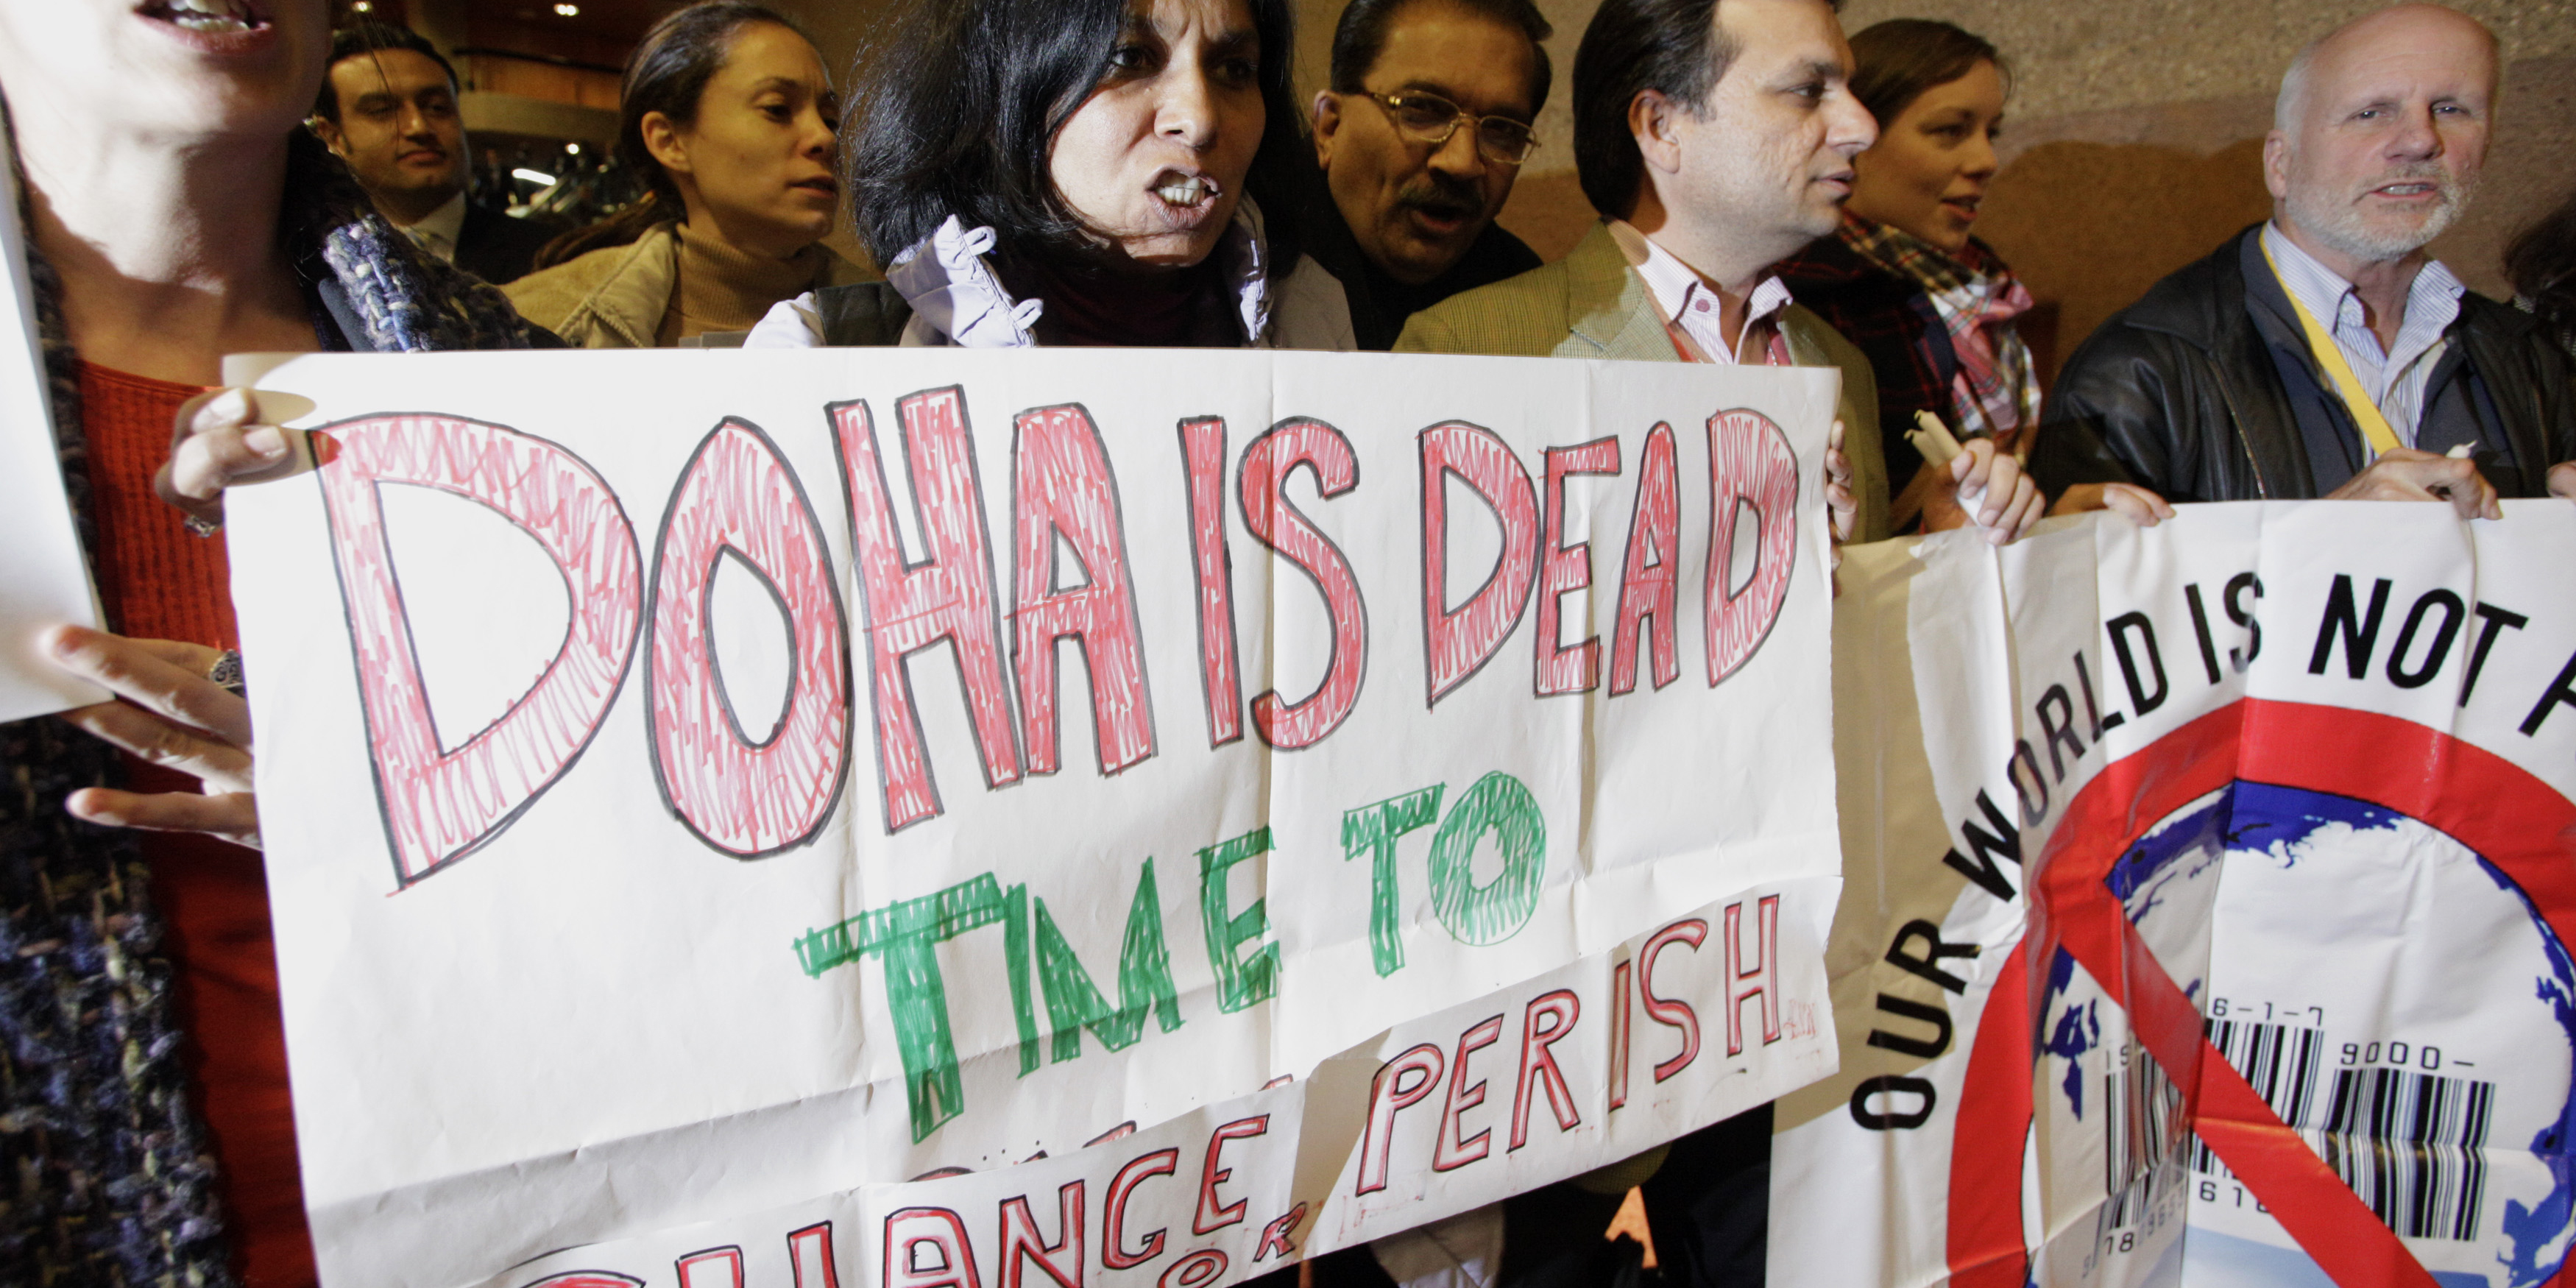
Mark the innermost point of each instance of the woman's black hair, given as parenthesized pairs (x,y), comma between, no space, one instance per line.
(2541,263)
(1897,60)
(956,111)
(667,73)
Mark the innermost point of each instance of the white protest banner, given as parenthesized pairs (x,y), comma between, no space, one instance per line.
(1373,1143)
(2210,896)
(698,785)
(47,580)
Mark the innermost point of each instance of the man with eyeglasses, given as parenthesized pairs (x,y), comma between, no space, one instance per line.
(1420,138)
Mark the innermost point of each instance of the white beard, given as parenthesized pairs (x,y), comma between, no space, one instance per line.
(2341,225)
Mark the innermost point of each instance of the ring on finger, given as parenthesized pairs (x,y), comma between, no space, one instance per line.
(227,673)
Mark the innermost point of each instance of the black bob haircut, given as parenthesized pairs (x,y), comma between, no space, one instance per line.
(956,111)
(1360,37)
(1669,46)
(367,37)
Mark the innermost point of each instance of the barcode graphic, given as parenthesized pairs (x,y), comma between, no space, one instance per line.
(2280,1061)
(2142,1124)
(2412,1145)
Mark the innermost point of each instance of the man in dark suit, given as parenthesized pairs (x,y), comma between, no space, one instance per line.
(1420,138)
(388,108)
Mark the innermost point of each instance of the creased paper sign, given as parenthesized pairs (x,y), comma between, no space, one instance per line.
(46,580)
(702,784)
(1382,1137)
(2211,894)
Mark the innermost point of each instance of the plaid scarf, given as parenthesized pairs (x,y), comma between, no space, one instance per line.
(1995,391)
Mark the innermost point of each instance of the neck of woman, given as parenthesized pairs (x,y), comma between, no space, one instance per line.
(1088,305)
(167,247)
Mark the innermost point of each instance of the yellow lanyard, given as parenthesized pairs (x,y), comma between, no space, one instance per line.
(2374,424)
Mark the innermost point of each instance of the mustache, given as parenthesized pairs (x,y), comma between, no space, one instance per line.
(2424,172)
(1441,194)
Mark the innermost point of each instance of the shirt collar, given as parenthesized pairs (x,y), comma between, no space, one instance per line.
(1677,287)
(447,222)
(2327,296)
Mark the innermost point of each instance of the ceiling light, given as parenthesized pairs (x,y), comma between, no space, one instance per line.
(537,177)
(567,11)
(573,149)
(363,6)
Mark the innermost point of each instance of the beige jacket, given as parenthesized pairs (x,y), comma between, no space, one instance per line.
(1591,305)
(614,297)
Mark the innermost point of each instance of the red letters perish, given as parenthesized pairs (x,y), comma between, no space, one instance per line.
(1750,467)
(1761,979)
(1062,486)
(1459,643)
(1261,489)
(439,804)
(947,596)
(743,794)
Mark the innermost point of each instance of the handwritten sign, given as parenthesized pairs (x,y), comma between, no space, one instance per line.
(700,785)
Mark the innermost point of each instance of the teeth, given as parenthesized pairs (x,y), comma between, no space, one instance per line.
(1188,192)
(208,15)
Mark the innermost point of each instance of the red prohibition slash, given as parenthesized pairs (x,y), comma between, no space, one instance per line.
(2487,804)
(1993,1124)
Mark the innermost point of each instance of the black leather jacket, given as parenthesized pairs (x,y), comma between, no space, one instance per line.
(2204,391)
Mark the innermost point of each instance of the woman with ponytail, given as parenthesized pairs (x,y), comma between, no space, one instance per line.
(728,115)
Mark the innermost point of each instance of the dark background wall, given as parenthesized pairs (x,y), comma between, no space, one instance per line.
(2132,147)
(2134,141)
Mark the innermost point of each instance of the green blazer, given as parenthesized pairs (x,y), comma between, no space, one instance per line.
(1590,305)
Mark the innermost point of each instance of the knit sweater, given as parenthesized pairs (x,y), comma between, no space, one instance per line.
(105,1172)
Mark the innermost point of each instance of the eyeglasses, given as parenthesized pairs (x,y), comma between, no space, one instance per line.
(1429,118)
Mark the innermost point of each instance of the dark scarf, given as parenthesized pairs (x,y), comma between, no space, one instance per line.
(106,1174)
(1189,308)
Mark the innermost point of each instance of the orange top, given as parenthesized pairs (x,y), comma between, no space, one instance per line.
(157,580)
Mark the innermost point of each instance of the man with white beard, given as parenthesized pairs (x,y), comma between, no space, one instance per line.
(2323,353)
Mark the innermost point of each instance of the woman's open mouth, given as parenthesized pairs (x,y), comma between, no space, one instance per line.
(1185,191)
(208,17)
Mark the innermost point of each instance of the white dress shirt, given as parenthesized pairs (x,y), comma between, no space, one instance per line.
(2396,377)
(1689,302)
(438,230)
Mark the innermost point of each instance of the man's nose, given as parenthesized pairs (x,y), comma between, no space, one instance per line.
(1459,155)
(1850,129)
(2417,137)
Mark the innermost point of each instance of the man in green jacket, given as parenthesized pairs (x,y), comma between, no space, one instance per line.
(1715,140)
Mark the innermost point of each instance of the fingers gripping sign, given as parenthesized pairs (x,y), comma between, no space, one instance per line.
(169,711)
(1998,497)
(229,436)
(2405,474)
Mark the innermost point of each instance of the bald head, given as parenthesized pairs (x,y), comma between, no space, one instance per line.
(2381,129)
(2394,26)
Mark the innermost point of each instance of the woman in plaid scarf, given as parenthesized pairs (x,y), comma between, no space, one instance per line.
(1932,306)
